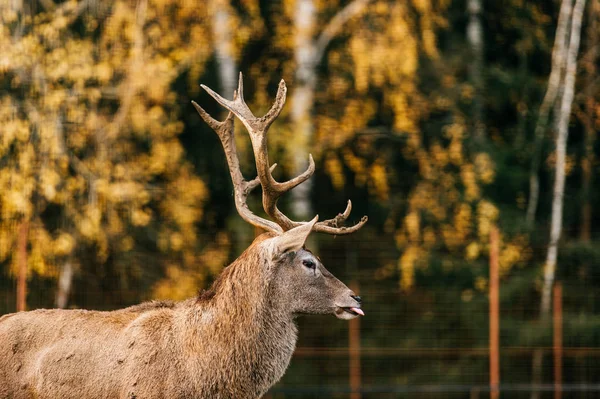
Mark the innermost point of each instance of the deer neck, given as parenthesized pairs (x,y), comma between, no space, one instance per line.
(249,305)
(243,328)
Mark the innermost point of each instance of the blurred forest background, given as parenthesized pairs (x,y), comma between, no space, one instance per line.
(438,119)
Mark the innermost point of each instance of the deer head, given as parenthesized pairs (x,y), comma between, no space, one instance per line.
(297,278)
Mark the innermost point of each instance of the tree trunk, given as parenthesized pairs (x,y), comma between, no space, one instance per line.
(558,60)
(302,100)
(224,46)
(475,39)
(308,53)
(65,282)
(559,179)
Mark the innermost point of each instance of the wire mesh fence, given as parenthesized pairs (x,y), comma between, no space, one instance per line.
(428,342)
(437,349)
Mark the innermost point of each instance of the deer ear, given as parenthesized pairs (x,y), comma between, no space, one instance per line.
(294,239)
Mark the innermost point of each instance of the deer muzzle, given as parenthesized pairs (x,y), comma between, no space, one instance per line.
(350,310)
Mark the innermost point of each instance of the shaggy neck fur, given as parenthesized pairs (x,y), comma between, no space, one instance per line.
(243,336)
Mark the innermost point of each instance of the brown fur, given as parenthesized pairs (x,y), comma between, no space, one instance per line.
(235,342)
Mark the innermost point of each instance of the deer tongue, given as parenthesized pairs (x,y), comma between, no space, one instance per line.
(358,311)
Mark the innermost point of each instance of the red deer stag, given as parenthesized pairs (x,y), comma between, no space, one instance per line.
(232,341)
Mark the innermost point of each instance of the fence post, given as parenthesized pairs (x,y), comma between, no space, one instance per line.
(557,340)
(494,315)
(22,259)
(354,351)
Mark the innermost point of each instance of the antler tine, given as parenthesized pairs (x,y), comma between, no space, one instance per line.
(322,228)
(241,187)
(334,226)
(340,218)
(210,121)
(255,126)
(277,104)
(256,181)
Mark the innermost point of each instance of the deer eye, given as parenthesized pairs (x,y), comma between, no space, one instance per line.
(309,263)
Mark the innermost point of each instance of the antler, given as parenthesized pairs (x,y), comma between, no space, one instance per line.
(271,189)
(241,187)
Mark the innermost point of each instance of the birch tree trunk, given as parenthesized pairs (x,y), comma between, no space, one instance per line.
(65,283)
(559,179)
(224,46)
(475,39)
(308,53)
(302,100)
(558,60)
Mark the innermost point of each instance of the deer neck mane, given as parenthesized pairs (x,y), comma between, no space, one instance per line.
(242,301)
(241,328)
(242,288)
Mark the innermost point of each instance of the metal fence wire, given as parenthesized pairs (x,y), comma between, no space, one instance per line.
(428,342)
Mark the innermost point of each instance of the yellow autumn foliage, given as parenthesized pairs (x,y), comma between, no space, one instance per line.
(183,282)
(90,124)
(77,108)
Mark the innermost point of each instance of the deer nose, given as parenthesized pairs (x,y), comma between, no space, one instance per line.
(356,298)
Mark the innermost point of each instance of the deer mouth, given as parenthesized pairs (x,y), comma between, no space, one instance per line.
(347,313)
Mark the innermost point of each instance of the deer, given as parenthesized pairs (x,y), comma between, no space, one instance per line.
(234,340)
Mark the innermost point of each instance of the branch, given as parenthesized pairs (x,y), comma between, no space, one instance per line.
(335,25)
